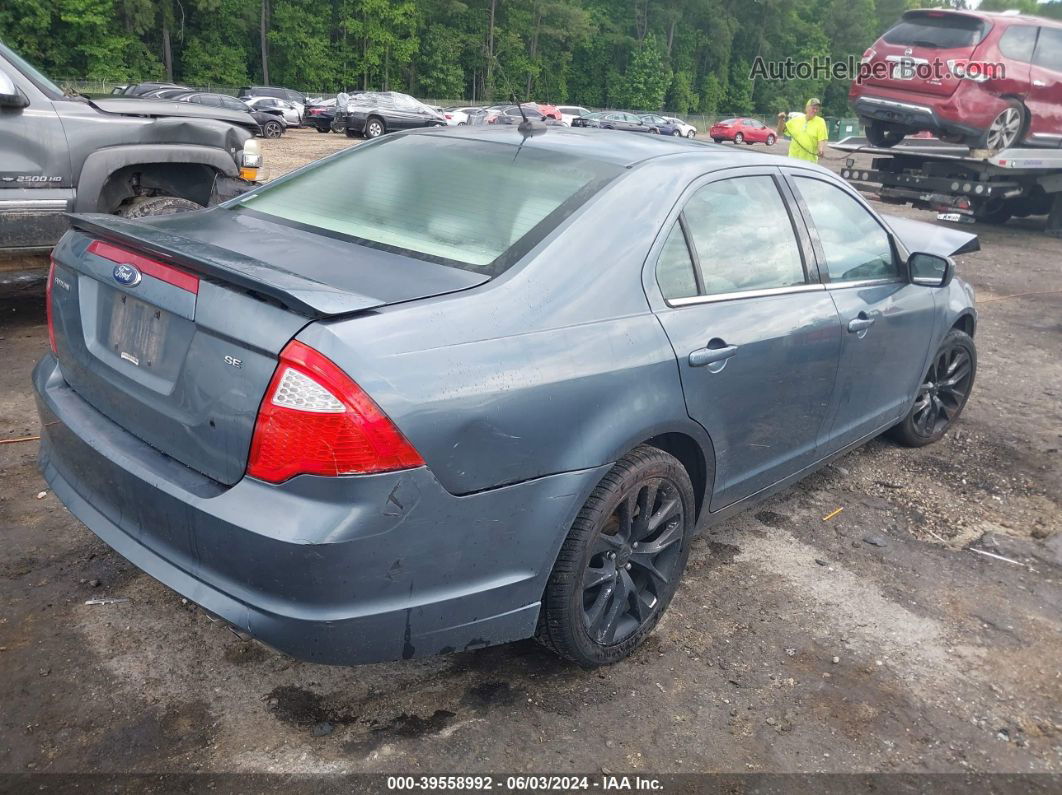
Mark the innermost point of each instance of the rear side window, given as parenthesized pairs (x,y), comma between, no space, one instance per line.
(943,32)
(1049,49)
(1017,42)
(674,269)
(855,245)
(743,236)
(479,205)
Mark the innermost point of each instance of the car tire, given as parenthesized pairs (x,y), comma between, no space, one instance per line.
(690,134)
(604,597)
(148,206)
(272,129)
(374,127)
(320,130)
(739,138)
(942,393)
(676,132)
(880,134)
(718,140)
(1007,128)
(770,140)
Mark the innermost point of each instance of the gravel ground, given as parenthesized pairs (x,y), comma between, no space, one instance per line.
(877,640)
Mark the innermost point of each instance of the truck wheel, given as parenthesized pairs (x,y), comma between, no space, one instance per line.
(621,562)
(994,211)
(1006,129)
(272,129)
(880,134)
(147,206)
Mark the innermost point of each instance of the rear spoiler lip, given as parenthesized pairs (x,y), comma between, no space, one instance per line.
(305,296)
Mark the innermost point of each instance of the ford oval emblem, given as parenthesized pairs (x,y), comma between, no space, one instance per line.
(126,275)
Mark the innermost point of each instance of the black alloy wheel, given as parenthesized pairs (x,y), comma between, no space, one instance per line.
(943,392)
(622,560)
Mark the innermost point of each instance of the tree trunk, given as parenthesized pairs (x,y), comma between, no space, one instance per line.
(534,51)
(167,52)
(264,37)
(488,82)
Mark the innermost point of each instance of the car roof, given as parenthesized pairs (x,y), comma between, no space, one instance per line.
(610,146)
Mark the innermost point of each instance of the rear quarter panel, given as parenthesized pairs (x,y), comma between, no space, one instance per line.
(557,365)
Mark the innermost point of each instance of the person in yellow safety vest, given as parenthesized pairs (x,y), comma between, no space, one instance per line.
(807,132)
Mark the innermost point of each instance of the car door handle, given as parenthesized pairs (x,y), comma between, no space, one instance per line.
(703,356)
(861,323)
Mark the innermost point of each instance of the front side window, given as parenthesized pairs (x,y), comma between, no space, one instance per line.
(855,245)
(743,236)
(472,204)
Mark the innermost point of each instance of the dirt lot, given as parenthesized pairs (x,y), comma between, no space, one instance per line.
(873,641)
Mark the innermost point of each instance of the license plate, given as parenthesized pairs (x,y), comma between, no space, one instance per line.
(138,331)
(903,70)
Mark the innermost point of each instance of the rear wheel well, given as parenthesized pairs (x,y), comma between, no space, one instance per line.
(966,324)
(690,455)
(192,181)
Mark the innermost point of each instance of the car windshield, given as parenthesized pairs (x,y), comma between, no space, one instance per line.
(479,205)
(944,32)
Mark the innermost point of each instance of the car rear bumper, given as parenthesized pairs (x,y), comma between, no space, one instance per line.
(332,570)
(968,112)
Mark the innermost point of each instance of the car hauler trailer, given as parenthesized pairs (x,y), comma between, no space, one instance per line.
(961,184)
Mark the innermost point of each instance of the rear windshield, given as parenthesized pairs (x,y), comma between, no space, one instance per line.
(944,32)
(479,205)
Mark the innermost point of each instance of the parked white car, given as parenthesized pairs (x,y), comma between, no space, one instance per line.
(569,112)
(290,110)
(685,129)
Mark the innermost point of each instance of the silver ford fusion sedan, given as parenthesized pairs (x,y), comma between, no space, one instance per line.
(459,387)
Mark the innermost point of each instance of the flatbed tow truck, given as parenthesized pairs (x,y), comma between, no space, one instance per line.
(960,184)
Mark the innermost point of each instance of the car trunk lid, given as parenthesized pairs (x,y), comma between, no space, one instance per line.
(176,339)
(916,54)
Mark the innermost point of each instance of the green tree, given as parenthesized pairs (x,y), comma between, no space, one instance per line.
(647,78)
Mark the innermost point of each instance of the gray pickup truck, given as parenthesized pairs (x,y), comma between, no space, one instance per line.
(130,157)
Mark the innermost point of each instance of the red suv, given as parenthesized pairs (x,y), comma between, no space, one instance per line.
(987,80)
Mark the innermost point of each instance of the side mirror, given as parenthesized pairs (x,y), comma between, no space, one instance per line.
(930,270)
(10,96)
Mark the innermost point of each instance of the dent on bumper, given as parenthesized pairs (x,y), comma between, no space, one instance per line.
(334,570)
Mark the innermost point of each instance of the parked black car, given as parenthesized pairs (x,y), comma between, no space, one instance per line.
(615,120)
(271,122)
(374,113)
(320,117)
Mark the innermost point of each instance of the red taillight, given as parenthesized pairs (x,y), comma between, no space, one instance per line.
(159,270)
(48,306)
(448,116)
(314,420)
